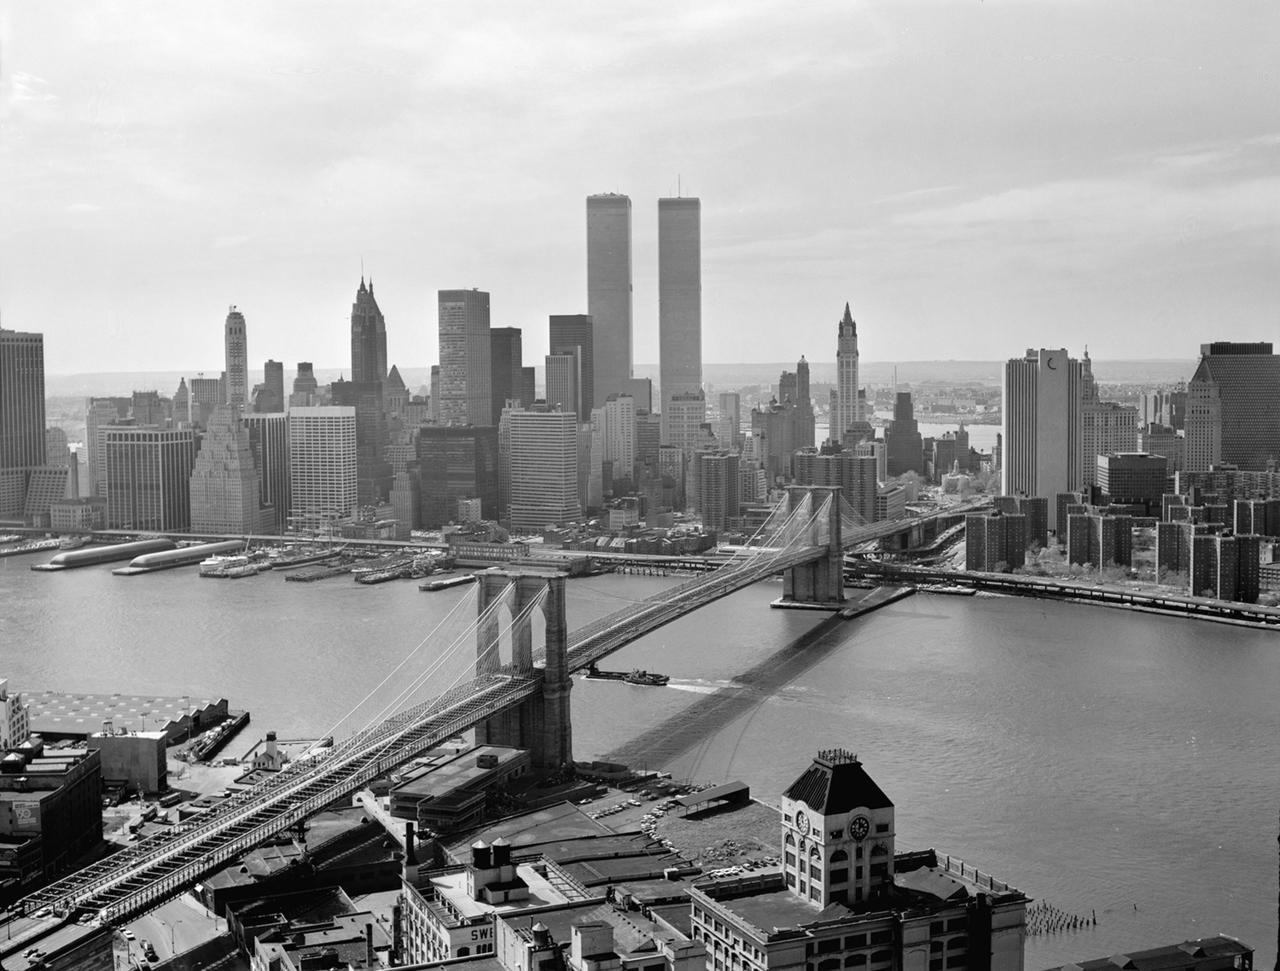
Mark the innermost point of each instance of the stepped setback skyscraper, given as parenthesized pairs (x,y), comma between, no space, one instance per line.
(237,359)
(846,378)
(368,337)
(465,396)
(679,303)
(609,292)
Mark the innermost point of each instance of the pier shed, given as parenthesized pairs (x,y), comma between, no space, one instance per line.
(727,794)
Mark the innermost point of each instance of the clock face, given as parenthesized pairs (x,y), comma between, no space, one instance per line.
(802,823)
(859,827)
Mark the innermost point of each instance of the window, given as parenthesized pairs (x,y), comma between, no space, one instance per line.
(787,818)
(935,947)
(791,859)
(840,876)
(879,871)
(829,945)
(790,840)
(804,888)
(839,856)
(815,872)
(935,964)
(881,937)
(858,853)
(463,951)
(855,961)
(857,940)
(957,960)
(829,965)
(956,924)
(802,867)
(857,872)
(882,827)
(956,944)
(814,893)
(881,957)
(791,879)
(814,853)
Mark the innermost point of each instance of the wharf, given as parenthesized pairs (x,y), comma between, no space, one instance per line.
(39,546)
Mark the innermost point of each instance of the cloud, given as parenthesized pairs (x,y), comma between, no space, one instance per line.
(29,88)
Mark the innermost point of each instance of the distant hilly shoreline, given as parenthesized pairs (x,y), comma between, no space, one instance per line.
(1138,371)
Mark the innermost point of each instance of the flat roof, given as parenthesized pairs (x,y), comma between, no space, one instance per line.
(83,714)
(1168,956)
(456,773)
(529,831)
(633,933)
(774,909)
(453,886)
(727,790)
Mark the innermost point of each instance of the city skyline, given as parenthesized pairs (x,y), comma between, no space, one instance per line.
(977,175)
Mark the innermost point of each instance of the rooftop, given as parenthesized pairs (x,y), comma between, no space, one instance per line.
(837,783)
(59,713)
(1168,956)
(452,886)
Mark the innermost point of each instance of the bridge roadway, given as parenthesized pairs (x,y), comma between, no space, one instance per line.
(140,877)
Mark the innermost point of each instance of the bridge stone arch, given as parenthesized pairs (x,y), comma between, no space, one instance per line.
(821,581)
(542,722)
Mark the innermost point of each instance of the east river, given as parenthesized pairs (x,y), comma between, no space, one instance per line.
(1098,759)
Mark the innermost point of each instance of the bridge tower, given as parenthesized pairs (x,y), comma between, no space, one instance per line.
(820,582)
(541,723)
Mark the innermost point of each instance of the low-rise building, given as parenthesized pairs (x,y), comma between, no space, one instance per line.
(449,793)
(1206,954)
(135,760)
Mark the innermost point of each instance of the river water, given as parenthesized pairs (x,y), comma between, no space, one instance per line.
(1095,758)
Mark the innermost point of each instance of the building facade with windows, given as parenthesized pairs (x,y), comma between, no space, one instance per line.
(846,899)
(322,466)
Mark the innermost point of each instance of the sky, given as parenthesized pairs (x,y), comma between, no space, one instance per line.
(973,176)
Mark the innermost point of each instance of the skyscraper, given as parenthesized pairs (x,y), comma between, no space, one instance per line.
(1233,407)
(271,399)
(373,473)
(226,484)
(149,477)
(570,332)
(564,381)
(904,448)
(206,394)
(456,463)
(322,465)
(269,439)
(466,379)
(679,303)
(1043,428)
(544,468)
(22,444)
(506,359)
(368,337)
(609,292)
(237,356)
(305,386)
(846,377)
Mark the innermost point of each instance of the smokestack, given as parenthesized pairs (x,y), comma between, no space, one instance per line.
(368,945)
(410,846)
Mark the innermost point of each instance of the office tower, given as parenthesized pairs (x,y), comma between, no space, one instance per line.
(368,338)
(305,386)
(617,421)
(834,465)
(269,439)
(372,471)
(395,396)
(15,718)
(433,401)
(846,378)
(22,444)
(147,408)
(270,399)
(564,381)
(1168,408)
(456,462)
(226,484)
(679,304)
(575,333)
(1106,426)
(904,448)
(1042,425)
(682,419)
(528,391)
(1163,440)
(466,380)
(181,402)
(206,394)
(100,413)
(506,364)
(148,474)
(56,450)
(804,406)
(544,468)
(718,489)
(731,418)
(237,360)
(609,291)
(323,482)
(1233,407)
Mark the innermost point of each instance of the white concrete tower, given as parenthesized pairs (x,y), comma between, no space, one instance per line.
(846,377)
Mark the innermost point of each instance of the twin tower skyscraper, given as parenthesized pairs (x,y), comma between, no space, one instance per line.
(609,303)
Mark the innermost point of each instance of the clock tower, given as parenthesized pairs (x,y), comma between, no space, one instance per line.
(837,833)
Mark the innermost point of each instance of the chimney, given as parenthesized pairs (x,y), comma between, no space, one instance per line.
(410,845)
(368,945)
